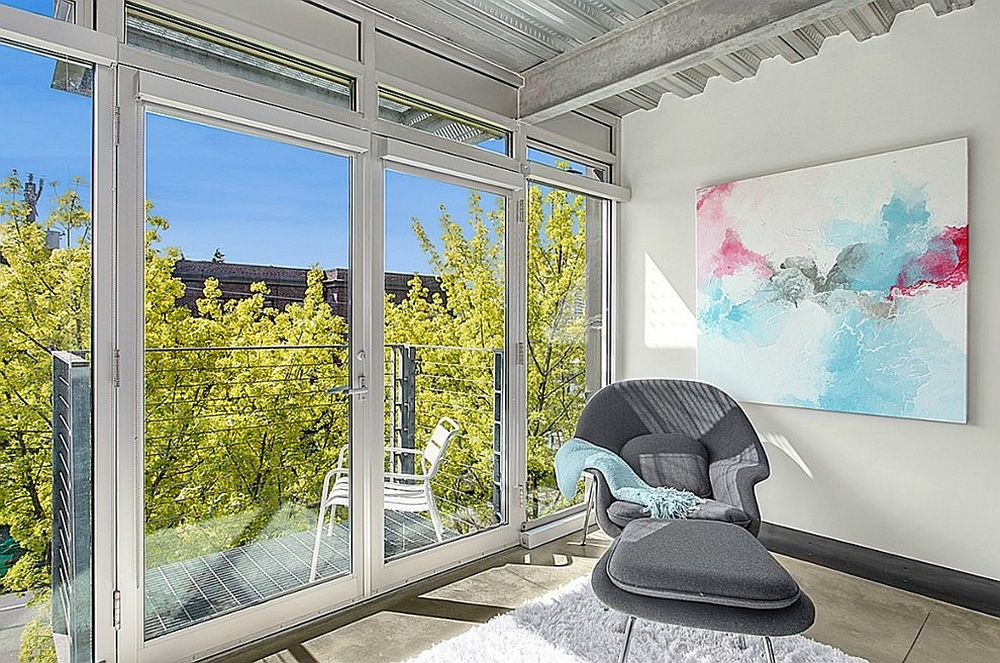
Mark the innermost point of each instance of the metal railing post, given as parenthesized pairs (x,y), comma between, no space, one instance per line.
(498,382)
(408,415)
(72,600)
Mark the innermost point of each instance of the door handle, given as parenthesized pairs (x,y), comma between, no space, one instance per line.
(348,390)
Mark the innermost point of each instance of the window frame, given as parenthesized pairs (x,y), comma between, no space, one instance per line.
(570,518)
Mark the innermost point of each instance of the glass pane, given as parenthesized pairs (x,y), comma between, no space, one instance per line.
(444,331)
(566,298)
(230,55)
(411,112)
(45,342)
(247,442)
(571,164)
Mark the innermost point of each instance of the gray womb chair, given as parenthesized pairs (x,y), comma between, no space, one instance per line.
(679,433)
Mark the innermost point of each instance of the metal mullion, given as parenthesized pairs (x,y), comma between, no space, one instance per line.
(129,261)
(104,461)
(369,309)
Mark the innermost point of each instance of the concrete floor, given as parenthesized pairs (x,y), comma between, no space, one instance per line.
(863,618)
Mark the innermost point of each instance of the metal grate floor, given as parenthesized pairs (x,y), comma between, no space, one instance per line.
(185,593)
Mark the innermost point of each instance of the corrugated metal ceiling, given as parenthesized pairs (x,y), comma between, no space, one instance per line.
(519,34)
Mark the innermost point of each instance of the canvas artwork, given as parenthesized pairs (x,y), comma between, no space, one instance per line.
(840,287)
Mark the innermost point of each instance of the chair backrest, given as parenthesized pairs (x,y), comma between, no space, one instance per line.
(445,430)
(625,410)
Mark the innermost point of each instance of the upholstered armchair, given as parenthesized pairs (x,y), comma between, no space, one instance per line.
(678,433)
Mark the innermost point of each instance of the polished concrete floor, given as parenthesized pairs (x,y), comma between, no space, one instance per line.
(879,623)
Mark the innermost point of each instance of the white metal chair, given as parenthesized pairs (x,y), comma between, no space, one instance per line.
(402,491)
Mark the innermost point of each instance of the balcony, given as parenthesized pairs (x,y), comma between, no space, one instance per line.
(238,441)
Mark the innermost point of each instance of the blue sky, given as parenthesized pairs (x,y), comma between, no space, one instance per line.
(45,131)
(37,6)
(264,202)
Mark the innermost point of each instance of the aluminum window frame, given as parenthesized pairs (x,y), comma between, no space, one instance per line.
(381,142)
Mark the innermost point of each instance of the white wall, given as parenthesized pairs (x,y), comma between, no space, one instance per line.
(923,490)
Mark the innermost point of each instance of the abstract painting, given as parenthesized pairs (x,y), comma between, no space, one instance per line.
(840,287)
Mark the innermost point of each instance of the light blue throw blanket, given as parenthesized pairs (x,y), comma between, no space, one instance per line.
(578,455)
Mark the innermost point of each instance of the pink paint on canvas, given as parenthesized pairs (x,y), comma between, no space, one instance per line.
(945,264)
(733,256)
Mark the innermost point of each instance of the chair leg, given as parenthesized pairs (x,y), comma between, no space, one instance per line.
(769,649)
(319,536)
(435,517)
(628,638)
(589,501)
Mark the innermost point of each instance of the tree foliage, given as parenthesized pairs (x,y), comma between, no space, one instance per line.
(240,426)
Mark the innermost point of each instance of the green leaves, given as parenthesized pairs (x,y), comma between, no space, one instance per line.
(240,429)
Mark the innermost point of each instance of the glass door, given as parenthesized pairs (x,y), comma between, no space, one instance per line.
(445,330)
(249,377)
(451,246)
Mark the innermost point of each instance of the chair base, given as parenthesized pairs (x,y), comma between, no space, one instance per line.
(630,623)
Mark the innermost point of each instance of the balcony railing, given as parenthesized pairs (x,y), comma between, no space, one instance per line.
(72,600)
(238,441)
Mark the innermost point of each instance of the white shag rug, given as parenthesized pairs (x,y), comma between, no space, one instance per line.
(572,626)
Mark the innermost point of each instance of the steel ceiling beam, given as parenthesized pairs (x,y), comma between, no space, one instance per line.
(681,35)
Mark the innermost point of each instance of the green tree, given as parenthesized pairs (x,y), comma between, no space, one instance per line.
(45,305)
(556,353)
(240,427)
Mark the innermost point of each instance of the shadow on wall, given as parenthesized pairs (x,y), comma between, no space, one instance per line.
(669,323)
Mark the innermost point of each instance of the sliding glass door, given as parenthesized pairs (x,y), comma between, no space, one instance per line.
(247,371)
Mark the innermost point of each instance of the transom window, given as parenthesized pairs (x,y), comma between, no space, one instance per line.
(175,37)
(400,108)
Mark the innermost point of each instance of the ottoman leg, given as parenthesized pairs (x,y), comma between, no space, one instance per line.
(769,649)
(588,500)
(628,636)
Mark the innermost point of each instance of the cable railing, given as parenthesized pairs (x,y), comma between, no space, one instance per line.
(260,425)
(424,385)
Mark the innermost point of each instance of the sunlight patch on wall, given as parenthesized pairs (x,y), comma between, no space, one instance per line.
(669,324)
(783,444)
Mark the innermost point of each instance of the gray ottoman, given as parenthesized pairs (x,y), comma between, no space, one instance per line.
(702,574)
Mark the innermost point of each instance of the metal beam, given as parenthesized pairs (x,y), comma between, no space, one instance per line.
(683,34)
